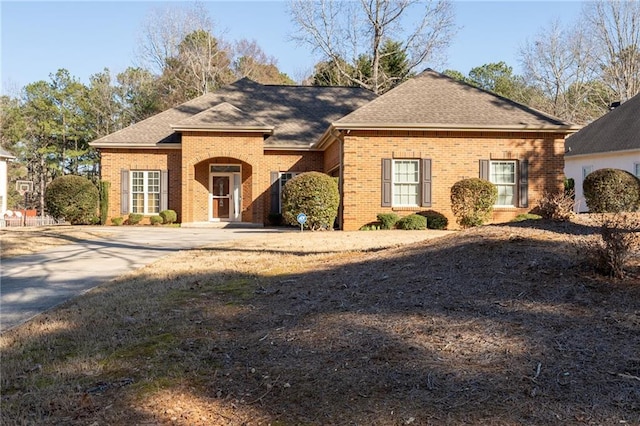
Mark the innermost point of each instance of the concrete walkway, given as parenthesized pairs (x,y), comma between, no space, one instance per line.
(32,284)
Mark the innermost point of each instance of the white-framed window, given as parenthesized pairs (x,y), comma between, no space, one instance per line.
(145,191)
(636,170)
(503,175)
(406,183)
(586,170)
(282,181)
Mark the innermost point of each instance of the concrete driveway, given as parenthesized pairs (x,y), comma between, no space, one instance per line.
(32,284)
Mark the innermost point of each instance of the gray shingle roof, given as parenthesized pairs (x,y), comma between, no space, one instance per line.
(298,114)
(223,116)
(617,130)
(432,100)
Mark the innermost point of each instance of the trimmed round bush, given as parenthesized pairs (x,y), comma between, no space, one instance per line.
(74,198)
(388,220)
(316,195)
(134,218)
(168,216)
(472,201)
(435,220)
(117,221)
(412,222)
(611,191)
(156,220)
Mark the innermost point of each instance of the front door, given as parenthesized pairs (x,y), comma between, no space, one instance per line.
(221,203)
(224,198)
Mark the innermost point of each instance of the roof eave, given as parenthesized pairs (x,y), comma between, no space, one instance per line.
(601,153)
(136,145)
(457,127)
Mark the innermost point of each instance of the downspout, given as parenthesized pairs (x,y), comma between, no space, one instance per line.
(340,140)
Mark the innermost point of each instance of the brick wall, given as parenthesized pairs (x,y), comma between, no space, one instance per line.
(114,160)
(454,155)
(189,171)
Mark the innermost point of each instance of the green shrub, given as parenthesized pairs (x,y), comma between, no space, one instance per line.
(472,201)
(74,198)
(117,221)
(314,194)
(104,201)
(412,222)
(275,219)
(526,216)
(156,220)
(168,216)
(134,218)
(435,220)
(611,191)
(388,220)
(371,226)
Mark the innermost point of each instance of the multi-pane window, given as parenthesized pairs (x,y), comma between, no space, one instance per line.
(586,170)
(406,182)
(636,170)
(284,178)
(145,192)
(503,175)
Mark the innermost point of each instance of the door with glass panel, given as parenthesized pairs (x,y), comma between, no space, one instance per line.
(224,190)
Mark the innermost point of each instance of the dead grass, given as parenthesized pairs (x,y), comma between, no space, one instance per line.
(500,325)
(28,240)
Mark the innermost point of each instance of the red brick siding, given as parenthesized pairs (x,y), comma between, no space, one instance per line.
(454,155)
(114,160)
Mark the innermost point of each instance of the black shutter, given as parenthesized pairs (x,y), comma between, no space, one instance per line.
(124,191)
(426,182)
(386,182)
(524,183)
(484,169)
(275,193)
(164,190)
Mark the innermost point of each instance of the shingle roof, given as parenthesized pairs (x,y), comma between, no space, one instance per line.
(617,130)
(432,100)
(298,114)
(223,116)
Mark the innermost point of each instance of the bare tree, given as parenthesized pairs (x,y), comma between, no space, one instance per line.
(615,28)
(164,30)
(343,31)
(560,63)
(249,60)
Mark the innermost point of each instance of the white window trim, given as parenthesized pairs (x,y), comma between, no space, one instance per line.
(636,169)
(145,191)
(393,182)
(586,170)
(281,186)
(514,184)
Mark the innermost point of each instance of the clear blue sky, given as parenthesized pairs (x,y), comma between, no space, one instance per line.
(38,38)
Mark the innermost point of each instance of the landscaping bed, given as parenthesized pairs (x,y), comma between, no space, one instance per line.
(504,324)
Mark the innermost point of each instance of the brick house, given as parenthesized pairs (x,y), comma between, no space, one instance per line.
(225,156)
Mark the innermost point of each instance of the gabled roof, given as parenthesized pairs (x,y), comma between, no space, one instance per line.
(617,130)
(297,115)
(222,117)
(432,100)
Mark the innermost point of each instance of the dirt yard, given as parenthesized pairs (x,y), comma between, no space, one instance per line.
(499,325)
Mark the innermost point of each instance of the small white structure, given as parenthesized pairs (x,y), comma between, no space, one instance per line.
(4,157)
(612,141)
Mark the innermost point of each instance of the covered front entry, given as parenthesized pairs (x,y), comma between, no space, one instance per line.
(225,192)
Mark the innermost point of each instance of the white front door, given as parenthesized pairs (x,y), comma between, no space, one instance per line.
(224,197)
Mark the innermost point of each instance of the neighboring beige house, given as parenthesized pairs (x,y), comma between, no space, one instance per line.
(612,141)
(4,157)
(225,156)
